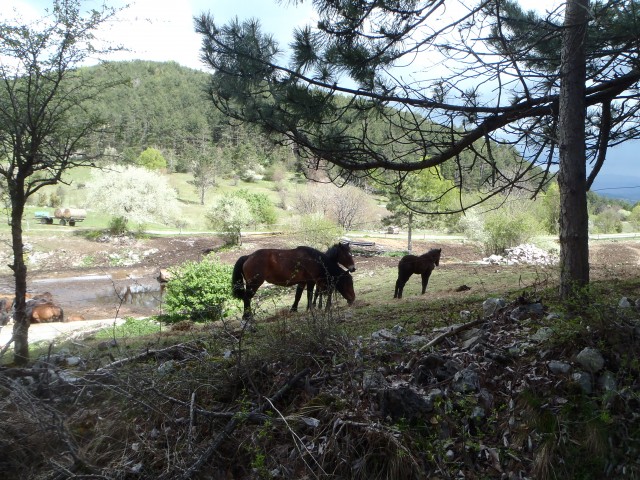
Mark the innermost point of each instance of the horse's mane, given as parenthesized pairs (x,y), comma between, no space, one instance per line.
(331,264)
(332,252)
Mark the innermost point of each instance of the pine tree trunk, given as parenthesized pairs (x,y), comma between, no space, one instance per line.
(574,231)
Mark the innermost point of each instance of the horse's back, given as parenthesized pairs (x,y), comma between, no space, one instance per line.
(283,267)
(407,262)
(44,312)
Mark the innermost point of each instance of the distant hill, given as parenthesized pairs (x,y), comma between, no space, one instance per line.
(626,187)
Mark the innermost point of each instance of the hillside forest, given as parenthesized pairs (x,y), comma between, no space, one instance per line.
(160,131)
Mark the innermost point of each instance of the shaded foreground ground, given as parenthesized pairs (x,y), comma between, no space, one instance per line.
(357,394)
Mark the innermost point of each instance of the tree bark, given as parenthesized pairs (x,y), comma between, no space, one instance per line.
(574,231)
(21,322)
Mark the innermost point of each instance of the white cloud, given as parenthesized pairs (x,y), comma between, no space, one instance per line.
(153,30)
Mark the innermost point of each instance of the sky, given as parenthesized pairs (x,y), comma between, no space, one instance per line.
(162,30)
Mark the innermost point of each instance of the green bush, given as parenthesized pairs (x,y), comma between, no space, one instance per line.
(634,218)
(506,226)
(316,231)
(608,221)
(152,159)
(261,207)
(118,226)
(55,200)
(200,290)
(507,229)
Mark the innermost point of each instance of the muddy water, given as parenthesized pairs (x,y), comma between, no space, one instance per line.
(114,293)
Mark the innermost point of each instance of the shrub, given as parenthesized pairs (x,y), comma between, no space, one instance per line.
(118,226)
(152,159)
(276,173)
(507,229)
(55,200)
(550,209)
(42,200)
(316,231)
(200,290)
(230,215)
(251,175)
(502,228)
(634,217)
(261,207)
(608,221)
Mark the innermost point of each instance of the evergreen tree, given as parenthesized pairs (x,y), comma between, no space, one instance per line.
(506,78)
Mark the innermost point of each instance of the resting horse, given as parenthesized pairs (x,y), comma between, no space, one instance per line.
(410,264)
(300,265)
(340,253)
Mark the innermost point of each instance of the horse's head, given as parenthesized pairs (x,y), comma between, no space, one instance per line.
(436,256)
(343,256)
(344,285)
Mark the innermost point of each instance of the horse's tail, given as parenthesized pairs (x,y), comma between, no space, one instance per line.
(237,279)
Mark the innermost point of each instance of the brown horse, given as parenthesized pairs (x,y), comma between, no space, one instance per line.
(285,268)
(340,253)
(7,301)
(410,264)
(44,312)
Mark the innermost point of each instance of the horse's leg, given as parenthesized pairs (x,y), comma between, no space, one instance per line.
(250,290)
(299,290)
(400,283)
(425,280)
(318,297)
(310,287)
(329,295)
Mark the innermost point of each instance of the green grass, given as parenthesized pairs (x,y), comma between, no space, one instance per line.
(131,327)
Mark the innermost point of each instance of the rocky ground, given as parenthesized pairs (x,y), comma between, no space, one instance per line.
(514,393)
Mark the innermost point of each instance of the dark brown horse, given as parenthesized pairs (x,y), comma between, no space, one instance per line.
(340,253)
(285,268)
(410,264)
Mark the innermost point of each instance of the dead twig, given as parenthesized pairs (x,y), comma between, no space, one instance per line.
(298,443)
(233,423)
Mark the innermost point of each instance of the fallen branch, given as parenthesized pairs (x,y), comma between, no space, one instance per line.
(17,372)
(6,347)
(451,331)
(233,423)
(145,355)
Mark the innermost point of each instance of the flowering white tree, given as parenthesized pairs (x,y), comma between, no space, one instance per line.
(134,194)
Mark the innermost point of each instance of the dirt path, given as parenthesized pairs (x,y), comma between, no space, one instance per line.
(51,331)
